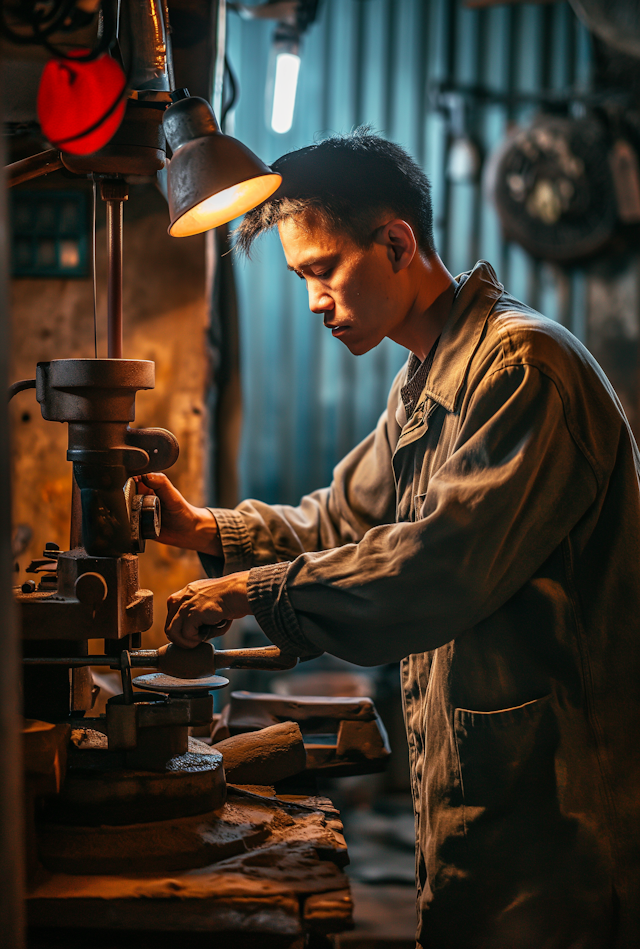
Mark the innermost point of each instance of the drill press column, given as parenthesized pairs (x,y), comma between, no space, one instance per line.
(114,193)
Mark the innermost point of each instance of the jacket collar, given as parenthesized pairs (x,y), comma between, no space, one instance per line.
(475,297)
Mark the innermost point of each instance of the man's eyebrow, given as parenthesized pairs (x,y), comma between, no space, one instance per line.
(305,264)
(323,259)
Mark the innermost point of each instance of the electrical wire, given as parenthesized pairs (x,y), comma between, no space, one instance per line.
(59,15)
(43,25)
(234,91)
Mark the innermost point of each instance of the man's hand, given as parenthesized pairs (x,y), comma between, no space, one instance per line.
(182,524)
(205,603)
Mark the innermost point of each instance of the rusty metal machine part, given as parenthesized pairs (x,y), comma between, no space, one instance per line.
(92,592)
(145,730)
(190,783)
(94,598)
(96,397)
(144,516)
(114,192)
(197,663)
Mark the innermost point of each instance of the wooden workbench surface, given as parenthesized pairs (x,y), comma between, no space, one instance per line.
(288,885)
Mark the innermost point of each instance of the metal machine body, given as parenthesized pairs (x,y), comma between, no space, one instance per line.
(92,591)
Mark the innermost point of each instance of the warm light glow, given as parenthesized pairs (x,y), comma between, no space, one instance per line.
(225,205)
(284,91)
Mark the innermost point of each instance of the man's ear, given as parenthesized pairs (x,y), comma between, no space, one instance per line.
(400,241)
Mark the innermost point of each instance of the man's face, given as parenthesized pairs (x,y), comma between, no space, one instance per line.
(353,288)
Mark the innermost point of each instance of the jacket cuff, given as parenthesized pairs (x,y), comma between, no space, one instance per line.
(237,548)
(270,604)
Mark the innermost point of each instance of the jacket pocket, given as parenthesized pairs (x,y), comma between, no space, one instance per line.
(506,758)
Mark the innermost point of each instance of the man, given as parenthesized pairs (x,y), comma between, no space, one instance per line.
(486,534)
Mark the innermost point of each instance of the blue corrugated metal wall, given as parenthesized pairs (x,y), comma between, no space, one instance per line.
(307,400)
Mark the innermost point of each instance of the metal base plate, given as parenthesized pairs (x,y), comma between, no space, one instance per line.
(159,682)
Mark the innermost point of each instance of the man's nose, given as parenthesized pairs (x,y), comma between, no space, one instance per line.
(319,301)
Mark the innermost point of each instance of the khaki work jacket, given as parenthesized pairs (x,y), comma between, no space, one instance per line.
(490,543)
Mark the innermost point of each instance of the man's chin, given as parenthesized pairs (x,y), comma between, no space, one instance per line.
(359,347)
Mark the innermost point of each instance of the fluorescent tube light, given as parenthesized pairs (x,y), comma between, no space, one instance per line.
(284,91)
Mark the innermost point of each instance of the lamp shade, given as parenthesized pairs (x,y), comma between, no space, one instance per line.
(212,178)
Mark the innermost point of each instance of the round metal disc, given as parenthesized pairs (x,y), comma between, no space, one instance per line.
(158,682)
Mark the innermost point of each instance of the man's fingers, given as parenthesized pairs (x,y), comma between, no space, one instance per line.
(141,487)
(170,497)
(205,603)
(191,629)
(174,623)
(188,614)
(187,629)
(174,602)
(176,634)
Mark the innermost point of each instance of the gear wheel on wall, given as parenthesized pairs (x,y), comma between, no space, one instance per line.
(553,188)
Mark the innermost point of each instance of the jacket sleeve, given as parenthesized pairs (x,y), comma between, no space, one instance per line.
(511,490)
(361,496)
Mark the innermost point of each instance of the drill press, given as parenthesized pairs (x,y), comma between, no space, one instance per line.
(91,591)
(123,806)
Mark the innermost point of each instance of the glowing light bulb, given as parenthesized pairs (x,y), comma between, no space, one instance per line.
(284,91)
(225,205)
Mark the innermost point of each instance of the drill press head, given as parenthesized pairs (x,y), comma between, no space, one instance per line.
(96,397)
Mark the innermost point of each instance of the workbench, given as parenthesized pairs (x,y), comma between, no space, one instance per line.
(286,890)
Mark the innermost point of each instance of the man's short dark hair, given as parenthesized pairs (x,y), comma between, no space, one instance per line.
(349,180)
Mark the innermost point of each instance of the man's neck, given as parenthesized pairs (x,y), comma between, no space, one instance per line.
(431,305)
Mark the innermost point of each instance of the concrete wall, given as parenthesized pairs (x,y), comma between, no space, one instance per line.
(165,317)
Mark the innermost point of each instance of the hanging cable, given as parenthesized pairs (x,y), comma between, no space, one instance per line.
(44,25)
(234,90)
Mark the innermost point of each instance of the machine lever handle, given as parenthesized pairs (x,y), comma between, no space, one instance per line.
(261,657)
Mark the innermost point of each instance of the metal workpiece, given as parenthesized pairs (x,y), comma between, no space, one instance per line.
(80,609)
